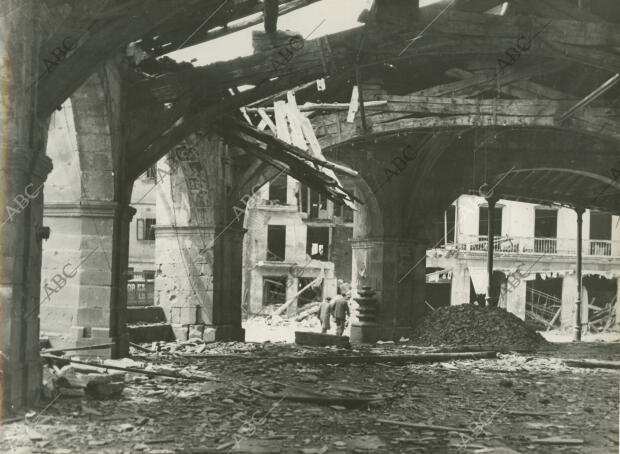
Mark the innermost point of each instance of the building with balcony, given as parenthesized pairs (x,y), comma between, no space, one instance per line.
(534,248)
(296,248)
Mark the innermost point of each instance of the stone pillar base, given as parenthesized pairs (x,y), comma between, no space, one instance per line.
(365,334)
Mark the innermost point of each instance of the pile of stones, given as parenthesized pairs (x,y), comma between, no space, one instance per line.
(469,324)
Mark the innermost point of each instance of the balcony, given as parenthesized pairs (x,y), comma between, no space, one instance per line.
(536,246)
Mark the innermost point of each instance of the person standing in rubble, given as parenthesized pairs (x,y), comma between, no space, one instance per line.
(341,313)
(326,309)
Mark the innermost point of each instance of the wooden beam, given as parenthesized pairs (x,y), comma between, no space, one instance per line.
(591,97)
(271,15)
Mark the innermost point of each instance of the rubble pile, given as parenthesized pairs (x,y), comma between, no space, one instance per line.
(468,324)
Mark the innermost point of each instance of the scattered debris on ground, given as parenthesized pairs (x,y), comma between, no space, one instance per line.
(471,324)
(509,403)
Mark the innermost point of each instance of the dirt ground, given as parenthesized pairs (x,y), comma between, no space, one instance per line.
(519,402)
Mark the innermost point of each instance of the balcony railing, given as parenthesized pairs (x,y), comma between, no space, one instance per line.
(531,245)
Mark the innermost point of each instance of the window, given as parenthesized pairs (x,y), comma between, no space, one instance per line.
(303,200)
(151,172)
(277,189)
(276,243)
(600,226)
(144,229)
(312,202)
(317,243)
(483,228)
(343,212)
(318,203)
(274,290)
(546,223)
(311,294)
(545,230)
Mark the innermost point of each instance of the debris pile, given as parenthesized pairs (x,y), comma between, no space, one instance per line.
(468,324)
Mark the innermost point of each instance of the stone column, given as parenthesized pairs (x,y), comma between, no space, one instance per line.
(395,270)
(618,304)
(460,285)
(569,294)
(195,294)
(23,168)
(77,287)
(198,242)
(515,300)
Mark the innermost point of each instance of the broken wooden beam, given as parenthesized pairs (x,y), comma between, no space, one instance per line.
(271,15)
(133,370)
(413,425)
(335,106)
(592,363)
(74,349)
(367,359)
(591,97)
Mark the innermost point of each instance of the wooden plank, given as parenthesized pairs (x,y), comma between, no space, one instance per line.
(464,106)
(592,364)
(491,26)
(267,120)
(279,109)
(420,426)
(297,136)
(353,105)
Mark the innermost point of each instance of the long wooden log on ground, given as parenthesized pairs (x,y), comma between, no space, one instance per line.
(592,363)
(420,426)
(74,349)
(374,359)
(133,370)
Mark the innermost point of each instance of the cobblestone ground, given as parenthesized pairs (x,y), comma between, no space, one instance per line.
(517,403)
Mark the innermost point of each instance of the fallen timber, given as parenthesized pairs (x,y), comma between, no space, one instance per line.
(367,359)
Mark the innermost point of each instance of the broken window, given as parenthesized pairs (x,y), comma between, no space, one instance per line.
(274,290)
(343,212)
(304,207)
(276,243)
(311,294)
(151,172)
(318,203)
(317,243)
(277,189)
(145,230)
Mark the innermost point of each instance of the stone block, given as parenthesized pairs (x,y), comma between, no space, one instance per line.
(320,339)
(209,334)
(181,332)
(100,332)
(183,315)
(196,331)
(365,334)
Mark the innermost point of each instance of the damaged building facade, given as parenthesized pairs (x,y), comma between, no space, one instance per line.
(535,244)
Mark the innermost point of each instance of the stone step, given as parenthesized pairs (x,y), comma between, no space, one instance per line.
(149,332)
(146,314)
(320,340)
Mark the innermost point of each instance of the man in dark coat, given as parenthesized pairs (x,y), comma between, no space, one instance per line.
(341,312)
(326,310)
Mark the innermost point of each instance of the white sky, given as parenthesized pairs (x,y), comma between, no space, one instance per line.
(338,15)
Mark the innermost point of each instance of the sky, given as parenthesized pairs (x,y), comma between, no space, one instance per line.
(330,16)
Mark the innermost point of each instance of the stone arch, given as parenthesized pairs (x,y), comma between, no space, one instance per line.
(78,289)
